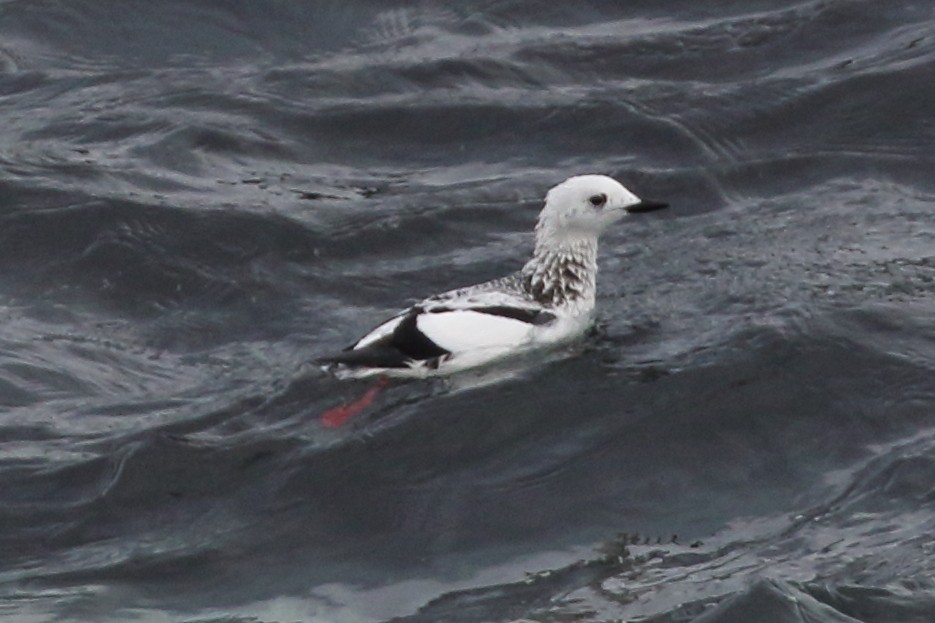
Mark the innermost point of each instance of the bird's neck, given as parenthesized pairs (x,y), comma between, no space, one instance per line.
(563,273)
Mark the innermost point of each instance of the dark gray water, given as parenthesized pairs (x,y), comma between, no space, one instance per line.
(197,198)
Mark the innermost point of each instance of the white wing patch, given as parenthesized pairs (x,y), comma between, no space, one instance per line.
(464,330)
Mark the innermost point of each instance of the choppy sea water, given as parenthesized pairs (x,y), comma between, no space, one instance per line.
(197,198)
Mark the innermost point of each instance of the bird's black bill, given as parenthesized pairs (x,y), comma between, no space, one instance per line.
(646,206)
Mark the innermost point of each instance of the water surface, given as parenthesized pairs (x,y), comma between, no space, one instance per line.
(198,198)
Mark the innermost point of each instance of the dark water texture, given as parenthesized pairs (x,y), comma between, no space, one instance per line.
(196,198)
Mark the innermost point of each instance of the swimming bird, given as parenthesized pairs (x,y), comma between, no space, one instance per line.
(548,302)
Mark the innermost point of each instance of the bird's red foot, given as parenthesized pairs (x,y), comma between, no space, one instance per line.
(336,417)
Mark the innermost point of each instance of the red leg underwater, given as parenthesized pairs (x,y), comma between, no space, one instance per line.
(336,417)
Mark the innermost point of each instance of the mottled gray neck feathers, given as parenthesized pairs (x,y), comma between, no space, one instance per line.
(562,274)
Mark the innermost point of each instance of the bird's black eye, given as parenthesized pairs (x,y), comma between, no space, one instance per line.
(598,200)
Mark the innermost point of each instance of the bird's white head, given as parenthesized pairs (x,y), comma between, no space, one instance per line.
(581,207)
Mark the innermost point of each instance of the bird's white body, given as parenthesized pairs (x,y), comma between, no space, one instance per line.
(549,302)
(473,339)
